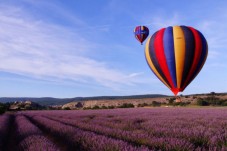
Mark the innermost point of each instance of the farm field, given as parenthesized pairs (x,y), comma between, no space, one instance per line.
(134,129)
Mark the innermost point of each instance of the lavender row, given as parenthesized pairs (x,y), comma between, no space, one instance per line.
(205,128)
(83,140)
(4,128)
(137,137)
(31,137)
(197,129)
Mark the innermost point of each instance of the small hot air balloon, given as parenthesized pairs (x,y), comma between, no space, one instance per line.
(141,33)
(176,55)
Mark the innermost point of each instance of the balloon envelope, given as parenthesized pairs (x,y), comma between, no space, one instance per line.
(176,55)
(141,33)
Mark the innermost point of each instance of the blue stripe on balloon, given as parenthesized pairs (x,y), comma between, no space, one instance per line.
(169,53)
(189,52)
(155,60)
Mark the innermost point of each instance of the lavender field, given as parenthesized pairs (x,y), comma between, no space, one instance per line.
(142,129)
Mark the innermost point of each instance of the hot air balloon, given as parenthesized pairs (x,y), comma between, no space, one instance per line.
(176,55)
(141,33)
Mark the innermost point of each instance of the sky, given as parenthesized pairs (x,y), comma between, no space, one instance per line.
(72,48)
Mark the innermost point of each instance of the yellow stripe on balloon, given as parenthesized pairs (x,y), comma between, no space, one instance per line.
(142,27)
(150,63)
(179,50)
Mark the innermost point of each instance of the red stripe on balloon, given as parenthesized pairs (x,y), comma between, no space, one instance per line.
(137,28)
(141,35)
(197,55)
(160,55)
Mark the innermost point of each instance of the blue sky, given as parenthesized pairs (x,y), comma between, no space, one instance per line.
(87,48)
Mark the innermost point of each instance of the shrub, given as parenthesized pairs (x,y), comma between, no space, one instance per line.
(96,107)
(111,107)
(181,103)
(3,108)
(155,103)
(214,101)
(142,105)
(127,105)
(201,102)
(171,100)
(67,108)
(104,107)
(225,103)
(87,108)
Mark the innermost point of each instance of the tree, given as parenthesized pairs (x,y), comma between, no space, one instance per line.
(3,108)
(127,105)
(96,107)
(155,103)
(201,102)
(171,100)
(181,103)
(67,108)
(104,107)
(111,107)
(142,105)
(212,93)
(225,103)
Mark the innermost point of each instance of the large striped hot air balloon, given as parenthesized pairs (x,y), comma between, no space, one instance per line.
(176,55)
(141,33)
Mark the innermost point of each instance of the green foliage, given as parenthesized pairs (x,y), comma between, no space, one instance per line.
(87,108)
(155,103)
(104,107)
(225,103)
(171,100)
(111,107)
(28,108)
(212,93)
(67,108)
(194,97)
(3,107)
(142,105)
(96,107)
(181,103)
(211,100)
(2,110)
(127,105)
(201,102)
(186,103)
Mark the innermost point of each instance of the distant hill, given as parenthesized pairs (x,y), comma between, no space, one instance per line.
(46,101)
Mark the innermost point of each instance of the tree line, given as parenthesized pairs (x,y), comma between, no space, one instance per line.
(211,101)
(4,107)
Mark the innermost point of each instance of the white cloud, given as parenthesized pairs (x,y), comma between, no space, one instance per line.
(56,9)
(42,50)
(135,74)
